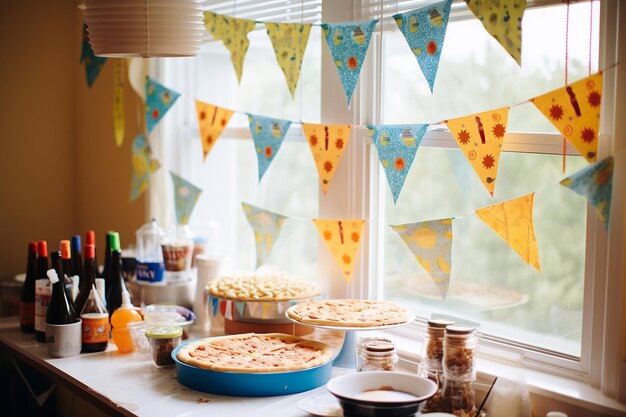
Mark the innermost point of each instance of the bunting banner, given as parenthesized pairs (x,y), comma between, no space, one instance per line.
(159,100)
(397,146)
(143,165)
(211,120)
(348,44)
(513,221)
(503,20)
(342,237)
(185,198)
(266,226)
(93,64)
(268,135)
(118,101)
(431,244)
(327,143)
(425,30)
(575,111)
(289,41)
(595,182)
(480,137)
(233,32)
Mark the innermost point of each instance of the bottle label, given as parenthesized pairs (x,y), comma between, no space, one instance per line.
(95,328)
(175,257)
(150,271)
(27,313)
(43,293)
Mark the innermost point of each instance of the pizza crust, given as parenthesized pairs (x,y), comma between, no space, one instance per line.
(263,287)
(349,313)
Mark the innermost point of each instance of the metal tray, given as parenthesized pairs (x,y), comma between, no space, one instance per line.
(253,311)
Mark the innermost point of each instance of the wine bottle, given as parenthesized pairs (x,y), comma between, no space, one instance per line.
(90,239)
(42,291)
(107,257)
(88,279)
(59,310)
(77,259)
(95,325)
(116,286)
(66,264)
(62,326)
(27,296)
(57,265)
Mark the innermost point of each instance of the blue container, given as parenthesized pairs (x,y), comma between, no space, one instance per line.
(151,272)
(240,384)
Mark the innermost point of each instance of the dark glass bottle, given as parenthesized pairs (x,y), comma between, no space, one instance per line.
(90,239)
(42,305)
(27,296)
(59,310)
(116,286)
(66,264)
(77,259)
(88,279)
(107,257)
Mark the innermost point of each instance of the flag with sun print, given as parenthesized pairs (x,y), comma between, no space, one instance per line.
(266,226)
(143,166)
(211,120)
(327,143)
(513,221)
(575,111)
(348,43)
(425,30)
(596,183)
(233,33)
(268,135)
(343,238)
(431,244)
(159,99)
(480,137)
(93,64)
(185,198)
(289,42)
(397,146)
(503,20)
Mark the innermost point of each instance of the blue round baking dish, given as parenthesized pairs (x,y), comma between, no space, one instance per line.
(241,384)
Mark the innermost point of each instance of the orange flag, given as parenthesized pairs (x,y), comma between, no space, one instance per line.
(480,137)
(327,143)
(513,221)
(342,237)
(575,111)
(212,121)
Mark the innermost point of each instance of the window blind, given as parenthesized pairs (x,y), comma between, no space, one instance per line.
(284,11)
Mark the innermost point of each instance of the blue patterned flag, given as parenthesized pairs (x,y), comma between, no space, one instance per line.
(268,135)
(348,43)
(185,198)
(266,226)
(397,146)
(143,166)
(596,183)
(159,100)
(93,63)
(425,30)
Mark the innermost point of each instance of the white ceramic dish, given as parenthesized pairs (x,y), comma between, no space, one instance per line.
(323,405)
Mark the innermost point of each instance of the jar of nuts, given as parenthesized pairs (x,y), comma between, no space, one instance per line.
(431,365)
(377,355)
(456,397)
(459,348)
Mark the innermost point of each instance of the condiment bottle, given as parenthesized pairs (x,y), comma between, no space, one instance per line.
(66,264)
(77,258)
(27,295)
(55,258)
(119,322)
(106,269)
(88,278)
(95,326)
(377,355)
(43,291)
(149,266)
(62,326)
(90,239)
(114,282)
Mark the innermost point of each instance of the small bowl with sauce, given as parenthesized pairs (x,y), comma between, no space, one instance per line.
(381,393)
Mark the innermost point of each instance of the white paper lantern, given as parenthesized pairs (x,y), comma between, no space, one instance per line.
(144,28)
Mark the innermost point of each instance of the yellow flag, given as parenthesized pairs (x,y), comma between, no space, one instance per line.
(212,121)
(233,33)
(342,237)
(118,101)
(327,143)
(575,111)
(513,221)
(480,137)
(289,41)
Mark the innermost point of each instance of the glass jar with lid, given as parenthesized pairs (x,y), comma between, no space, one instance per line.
(459,354)
(376,355)
(431,365)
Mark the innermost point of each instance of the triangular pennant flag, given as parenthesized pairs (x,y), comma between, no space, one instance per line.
(431,244)
(159,99)
(397,146)
(214,303)
(575,111)
(228,311)
(93,64)
(503,20)
(513,221)
(240,306)
(233,32)
(480,137)
(118,101)
(212,120)
(266,226)
(343,238)
(185,197)
(223,307)
(268,135)
(596,183)
(327,143)
(348,43)
(289,41)
(143,165)
(425,31)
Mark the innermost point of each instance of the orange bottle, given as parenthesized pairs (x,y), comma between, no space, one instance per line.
(119,321)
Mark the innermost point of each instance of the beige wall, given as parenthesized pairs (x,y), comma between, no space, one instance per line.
(61,172)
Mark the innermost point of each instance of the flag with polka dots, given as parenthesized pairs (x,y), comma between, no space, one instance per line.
(327,143)
(343,238)
(480,138)
(348,43)
(425,30)
(397,146)
(212,120)
(185,198)
(143,165)
(575,111)
(266,226)
(268,135)
(159,99)
(431,244)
